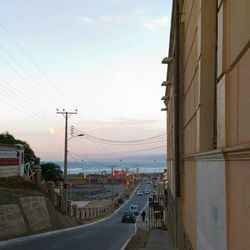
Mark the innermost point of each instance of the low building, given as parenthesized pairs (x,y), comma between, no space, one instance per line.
(11,160)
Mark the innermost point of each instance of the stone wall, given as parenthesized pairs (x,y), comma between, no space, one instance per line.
(30,215)
(25,212)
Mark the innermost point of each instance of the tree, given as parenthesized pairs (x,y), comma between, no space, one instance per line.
(51,172)
(29,155)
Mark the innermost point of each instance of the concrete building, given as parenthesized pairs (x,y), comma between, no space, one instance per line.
(207,99)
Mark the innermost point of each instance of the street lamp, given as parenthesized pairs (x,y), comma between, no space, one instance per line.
(82,167)
(112,187)
(65,175)
(154,168)
(89,186)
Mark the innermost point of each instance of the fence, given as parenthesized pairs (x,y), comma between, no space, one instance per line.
(157,205)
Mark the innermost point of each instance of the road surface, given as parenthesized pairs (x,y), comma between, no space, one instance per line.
(108,234)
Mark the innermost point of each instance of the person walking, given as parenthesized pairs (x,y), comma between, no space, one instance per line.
(143,214)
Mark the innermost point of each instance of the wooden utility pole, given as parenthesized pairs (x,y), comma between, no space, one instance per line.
(66,114)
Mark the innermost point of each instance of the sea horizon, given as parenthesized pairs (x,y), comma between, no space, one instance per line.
(92,166)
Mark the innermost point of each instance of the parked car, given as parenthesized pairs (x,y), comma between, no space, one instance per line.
(146,191)
(139,192)
(134,209)
(128,217)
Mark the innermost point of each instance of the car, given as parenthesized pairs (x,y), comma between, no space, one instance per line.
(146,191)
(128,216)
(134,209)
(139,192)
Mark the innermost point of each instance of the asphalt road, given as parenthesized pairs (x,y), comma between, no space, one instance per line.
(109,234)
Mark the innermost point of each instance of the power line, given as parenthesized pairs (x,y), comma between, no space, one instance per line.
(51,100)
(127,141)
(86,158)
(29,115)
(152,139)
(20,104)
(27,102)
(33,61)
(129,152)
(125,144)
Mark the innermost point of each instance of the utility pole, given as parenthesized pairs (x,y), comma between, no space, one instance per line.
(66,115)
(112,190)
(154,168)
(89,187)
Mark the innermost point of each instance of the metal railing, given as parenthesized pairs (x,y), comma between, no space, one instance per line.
(156,207)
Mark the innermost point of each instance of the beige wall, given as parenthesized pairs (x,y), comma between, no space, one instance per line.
(238,102)
(190,63)
(234,88)
(238,202)
(201,72)
(211,202)
(188,200)
(234,126)
(198,74)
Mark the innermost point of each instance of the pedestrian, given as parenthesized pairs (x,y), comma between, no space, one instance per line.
(143,214)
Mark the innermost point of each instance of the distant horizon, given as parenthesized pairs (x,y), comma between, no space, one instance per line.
(152,157)
(97,166)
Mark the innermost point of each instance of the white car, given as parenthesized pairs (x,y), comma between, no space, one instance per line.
(139,192)
(134,209)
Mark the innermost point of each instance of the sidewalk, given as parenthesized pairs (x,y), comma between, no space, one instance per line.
(158,238)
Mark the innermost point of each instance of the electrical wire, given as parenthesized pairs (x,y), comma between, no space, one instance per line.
(26,82)
(33,62)
(88,159)
(147,140)
(27,102)
(126,144)
(37,85)
(153,138)
(29,115)
(129,152)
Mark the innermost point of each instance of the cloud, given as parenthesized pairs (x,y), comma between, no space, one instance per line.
(157,24)
(84,20)
(103,19)
(139,11)
(111,19)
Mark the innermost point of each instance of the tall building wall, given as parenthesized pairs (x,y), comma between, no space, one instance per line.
(198,74)
(215,125)
(233,95)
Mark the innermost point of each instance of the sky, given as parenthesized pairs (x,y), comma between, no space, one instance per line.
(102,58)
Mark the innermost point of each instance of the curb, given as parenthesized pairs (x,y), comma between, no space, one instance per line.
(130,238)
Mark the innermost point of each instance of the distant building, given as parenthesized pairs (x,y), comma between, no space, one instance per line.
(76,179)
(208,124)
(11,160)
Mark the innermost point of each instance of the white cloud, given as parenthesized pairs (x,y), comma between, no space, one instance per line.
(139,11)
(111,19)
(157,24)
(84,20)
(102,19)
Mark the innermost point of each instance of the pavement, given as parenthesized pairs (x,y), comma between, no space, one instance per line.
(158,238)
